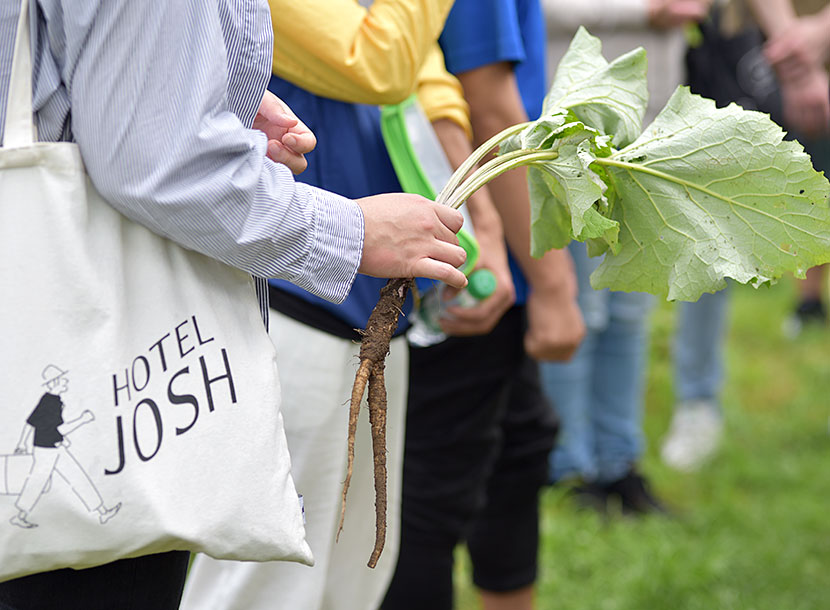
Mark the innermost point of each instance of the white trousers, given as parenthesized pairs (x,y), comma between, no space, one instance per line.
(316,372)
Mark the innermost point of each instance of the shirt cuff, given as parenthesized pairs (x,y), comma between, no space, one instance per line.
(337,246)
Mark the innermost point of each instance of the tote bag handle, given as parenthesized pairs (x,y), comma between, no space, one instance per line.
(20,126)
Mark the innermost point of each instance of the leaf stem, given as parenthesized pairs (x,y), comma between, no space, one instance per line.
(494,168)
(477,155)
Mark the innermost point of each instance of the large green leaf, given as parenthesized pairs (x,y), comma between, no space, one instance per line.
(565,193)
(609,97)
(706,194)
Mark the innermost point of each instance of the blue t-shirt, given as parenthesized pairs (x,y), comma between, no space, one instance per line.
(482,32)
(351,160)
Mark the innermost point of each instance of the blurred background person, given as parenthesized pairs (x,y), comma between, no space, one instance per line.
(735,62)
(798,49)
(599,394)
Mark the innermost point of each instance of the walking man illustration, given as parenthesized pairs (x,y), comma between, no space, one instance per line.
(51,453)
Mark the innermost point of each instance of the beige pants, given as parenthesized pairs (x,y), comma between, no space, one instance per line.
(316,373)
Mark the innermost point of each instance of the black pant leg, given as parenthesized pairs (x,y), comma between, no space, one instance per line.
(152,582)
(457,400)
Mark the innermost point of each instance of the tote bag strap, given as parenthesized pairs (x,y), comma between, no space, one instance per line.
(20,127)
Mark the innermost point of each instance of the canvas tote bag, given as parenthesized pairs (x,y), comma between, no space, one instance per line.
(140,398)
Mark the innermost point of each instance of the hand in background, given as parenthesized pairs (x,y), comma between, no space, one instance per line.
(667,14)
(798,55)
(555,325)
(410,236)
(801,47)
(288,137)
(807,103)
(483,317)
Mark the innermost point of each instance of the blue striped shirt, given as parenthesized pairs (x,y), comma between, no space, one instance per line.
(159,96)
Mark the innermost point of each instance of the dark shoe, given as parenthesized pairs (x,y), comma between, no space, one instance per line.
(589,496)
(810,312)
(634,495)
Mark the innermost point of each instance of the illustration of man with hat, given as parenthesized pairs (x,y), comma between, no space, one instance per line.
(51,453)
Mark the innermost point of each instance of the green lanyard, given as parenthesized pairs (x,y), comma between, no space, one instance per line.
(420,163)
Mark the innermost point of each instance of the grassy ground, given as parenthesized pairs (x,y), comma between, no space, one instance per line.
(753,526)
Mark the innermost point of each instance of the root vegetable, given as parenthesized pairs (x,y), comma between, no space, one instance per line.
(373,350)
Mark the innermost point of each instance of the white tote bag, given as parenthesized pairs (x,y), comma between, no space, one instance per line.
(140,401)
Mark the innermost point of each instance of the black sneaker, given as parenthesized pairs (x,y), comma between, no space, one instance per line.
(634,495)
(589,496)
(810,312)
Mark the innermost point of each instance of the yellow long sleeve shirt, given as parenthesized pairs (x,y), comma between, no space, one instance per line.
(380,55)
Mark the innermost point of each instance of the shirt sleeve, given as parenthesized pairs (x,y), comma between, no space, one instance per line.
(341,50)
(46,413)
(152,117)
(440,93)
(480,33)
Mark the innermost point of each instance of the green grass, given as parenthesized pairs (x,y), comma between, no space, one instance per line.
(753,526)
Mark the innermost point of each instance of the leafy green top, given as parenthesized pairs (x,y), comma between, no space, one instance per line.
(701,195)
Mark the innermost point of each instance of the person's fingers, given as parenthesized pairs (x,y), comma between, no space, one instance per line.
(300,142)
(280,154)
(452,219)
(467,321)
(449,253)
(280,119)
(438,270)
(444,235)
(546,351)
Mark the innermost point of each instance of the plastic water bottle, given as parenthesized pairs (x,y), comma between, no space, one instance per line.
(426,327)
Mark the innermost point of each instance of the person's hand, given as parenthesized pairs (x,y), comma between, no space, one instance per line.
(87,416)
(555,325)
(288,137)
(800,48)
(483,317)
(806,103)
(410,236)
(66,443)
(668,14)
(798,54)
(20,450)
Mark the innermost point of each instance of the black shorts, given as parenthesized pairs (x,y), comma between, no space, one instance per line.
(478,434)
(152,581)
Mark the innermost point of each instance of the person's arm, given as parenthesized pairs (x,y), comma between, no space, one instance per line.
(798,49)
(567,16)
(67,428)
(798,44)
(339,49)
(172,156)
(555,323)
(25,437)
(441,96)
(773,16)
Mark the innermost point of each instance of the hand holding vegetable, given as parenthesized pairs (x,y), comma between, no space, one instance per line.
(409,236)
